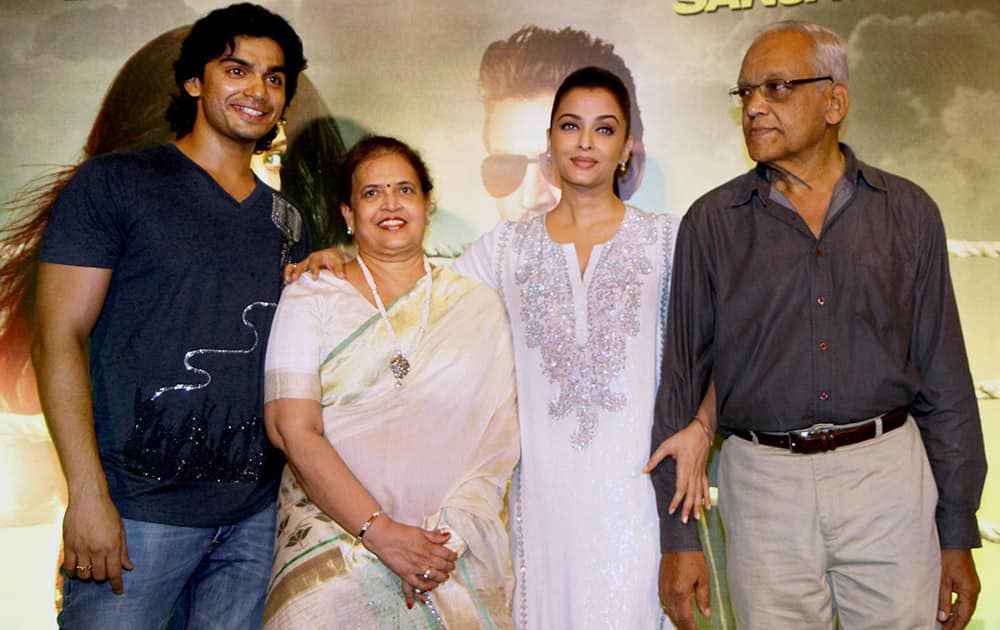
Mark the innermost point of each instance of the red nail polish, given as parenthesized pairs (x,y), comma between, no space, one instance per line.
(446,534)
(409,605)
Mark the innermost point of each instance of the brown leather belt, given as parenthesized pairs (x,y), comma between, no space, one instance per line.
(820,438)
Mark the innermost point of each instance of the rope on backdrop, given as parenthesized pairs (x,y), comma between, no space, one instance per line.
(974,249)
(987,390)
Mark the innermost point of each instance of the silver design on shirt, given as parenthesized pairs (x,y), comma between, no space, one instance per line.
(583,373)
(288,219)
(205,374)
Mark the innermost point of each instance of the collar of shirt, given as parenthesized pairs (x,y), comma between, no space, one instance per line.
(760,185)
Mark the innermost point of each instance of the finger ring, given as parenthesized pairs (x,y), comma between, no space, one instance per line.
(427,574)
(83,569)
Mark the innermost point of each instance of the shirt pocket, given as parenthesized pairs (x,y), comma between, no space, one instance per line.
(883,286)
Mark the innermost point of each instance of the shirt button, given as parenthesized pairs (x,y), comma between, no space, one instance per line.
(823,346)
(821,300)
(824,396)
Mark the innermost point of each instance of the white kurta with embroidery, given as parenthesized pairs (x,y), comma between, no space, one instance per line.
(587,354)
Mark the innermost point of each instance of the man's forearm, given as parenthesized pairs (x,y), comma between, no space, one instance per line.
(950,425)
(64,390)
(68,303)
(953,440)
(675,535)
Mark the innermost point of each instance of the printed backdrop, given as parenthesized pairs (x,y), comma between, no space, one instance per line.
(924,105)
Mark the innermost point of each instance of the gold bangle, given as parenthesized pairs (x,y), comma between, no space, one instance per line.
(368,523)
(709,433)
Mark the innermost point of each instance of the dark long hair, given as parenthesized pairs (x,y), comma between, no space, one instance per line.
(310,174)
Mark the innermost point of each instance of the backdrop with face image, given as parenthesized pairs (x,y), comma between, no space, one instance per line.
(470,86)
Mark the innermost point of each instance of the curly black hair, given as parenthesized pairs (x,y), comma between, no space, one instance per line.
(215,34)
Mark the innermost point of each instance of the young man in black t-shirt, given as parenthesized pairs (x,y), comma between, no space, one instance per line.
(167,263)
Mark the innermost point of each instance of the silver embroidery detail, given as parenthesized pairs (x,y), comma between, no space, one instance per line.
(501,257)
(188,387)
(667,242)
(583,372)
(521,580)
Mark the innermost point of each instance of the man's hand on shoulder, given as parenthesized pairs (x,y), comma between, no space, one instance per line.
(958,578)
(684,574)
(331,258)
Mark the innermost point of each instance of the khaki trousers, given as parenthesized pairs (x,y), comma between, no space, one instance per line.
(849,533)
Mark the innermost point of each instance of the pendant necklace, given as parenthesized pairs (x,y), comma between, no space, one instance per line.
(399,364)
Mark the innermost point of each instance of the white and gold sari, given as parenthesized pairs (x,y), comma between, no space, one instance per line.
(436,452)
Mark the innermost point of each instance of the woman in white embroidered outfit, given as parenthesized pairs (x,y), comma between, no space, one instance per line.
(585,286)
(400,437)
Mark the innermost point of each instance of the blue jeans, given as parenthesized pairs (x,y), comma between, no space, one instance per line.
(207,577)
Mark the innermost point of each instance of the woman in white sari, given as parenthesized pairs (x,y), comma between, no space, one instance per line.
(391,392)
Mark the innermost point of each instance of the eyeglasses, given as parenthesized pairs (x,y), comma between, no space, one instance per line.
(503,173)
(773,90)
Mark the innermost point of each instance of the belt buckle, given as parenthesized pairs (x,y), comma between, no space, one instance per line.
(817,429)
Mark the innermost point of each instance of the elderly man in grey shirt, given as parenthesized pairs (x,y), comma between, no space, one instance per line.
(815,291)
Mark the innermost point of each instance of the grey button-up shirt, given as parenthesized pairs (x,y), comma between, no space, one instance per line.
(798,330)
